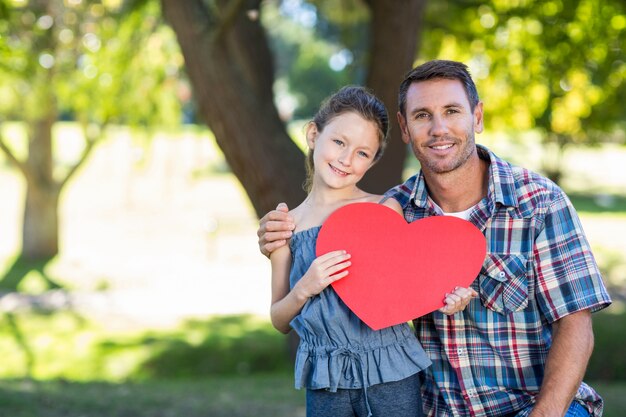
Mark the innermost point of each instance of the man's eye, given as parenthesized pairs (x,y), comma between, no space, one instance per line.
(338,142)
(421,116)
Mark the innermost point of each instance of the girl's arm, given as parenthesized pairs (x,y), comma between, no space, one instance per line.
(281,261)
(323,271)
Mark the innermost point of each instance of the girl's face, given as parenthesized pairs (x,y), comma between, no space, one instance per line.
(344,150)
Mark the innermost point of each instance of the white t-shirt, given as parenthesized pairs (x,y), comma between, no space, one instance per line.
(465,214)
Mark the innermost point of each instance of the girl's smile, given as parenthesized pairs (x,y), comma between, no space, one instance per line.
(347,147)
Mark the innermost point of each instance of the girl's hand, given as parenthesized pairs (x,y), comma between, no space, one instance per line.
(323,271)
(457,300)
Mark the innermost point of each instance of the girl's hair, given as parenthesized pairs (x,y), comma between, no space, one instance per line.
(354,99)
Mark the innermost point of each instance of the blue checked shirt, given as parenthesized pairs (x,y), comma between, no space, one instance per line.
(489,359)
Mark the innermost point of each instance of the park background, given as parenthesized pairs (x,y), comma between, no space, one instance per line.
(140,141)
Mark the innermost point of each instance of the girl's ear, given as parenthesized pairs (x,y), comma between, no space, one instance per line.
(311,135)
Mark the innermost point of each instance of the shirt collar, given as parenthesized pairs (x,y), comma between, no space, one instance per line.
(501,182)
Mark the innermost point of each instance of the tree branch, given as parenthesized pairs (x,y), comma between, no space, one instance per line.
(21,166)
(227,19)
(91,141)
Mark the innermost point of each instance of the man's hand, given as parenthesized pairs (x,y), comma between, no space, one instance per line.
(274,229)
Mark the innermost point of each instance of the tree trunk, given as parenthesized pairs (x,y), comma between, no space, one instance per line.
(395,28)
(40,232)
(230,67)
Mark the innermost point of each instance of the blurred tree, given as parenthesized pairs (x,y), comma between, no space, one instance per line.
(315,53)
(556,66)
(232,71)
(88,60)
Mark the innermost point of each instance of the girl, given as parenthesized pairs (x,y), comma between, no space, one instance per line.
(347,368)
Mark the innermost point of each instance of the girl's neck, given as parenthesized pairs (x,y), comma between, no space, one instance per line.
(328,197)
(320,203)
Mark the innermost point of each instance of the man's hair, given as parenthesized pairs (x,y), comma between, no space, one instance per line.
(355,99)
(438,69)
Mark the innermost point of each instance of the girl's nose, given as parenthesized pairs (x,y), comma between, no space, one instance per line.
(345,158)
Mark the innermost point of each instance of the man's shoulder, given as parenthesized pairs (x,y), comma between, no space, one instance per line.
(531,189)
(513,185)
(527,179)
(403,192)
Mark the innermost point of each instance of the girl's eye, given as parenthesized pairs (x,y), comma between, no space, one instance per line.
(338,142)
(364,154)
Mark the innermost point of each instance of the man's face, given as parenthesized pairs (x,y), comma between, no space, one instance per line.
(440,124)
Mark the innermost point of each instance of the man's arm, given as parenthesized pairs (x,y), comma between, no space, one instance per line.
(274,229)
(572,344)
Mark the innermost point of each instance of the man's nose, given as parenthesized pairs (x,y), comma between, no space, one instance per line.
(439,126)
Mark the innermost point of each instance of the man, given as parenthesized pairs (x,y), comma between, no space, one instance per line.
(521,348)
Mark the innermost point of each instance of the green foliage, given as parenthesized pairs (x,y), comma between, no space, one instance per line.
(608,362)
(88,61)
(307,42)
(47,345)
(61,344)
(225,345)
(553,65)
(599,203)
(17,277)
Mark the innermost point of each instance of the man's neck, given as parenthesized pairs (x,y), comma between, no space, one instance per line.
(460,189)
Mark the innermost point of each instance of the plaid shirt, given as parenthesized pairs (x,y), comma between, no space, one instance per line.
(489,359)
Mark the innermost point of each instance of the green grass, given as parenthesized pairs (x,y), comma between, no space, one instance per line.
(65,345)
(226,396)
(614,395)
(588,203)
(234,396)
(225,366)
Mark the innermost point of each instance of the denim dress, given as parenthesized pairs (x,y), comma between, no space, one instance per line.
(338,350)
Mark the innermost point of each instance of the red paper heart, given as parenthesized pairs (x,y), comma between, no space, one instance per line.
(400,271)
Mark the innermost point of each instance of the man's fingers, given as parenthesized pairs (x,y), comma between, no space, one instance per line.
(270,247)
(278,226)
(280,216)
(269,238)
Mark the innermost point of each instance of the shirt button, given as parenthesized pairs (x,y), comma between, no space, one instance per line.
(502,274)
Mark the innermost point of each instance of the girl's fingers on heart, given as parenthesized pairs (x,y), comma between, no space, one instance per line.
(338,276)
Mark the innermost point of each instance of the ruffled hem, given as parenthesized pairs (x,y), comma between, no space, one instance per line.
(353,368)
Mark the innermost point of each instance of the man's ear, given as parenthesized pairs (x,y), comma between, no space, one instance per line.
(403,128)
(311,135)
(478,118)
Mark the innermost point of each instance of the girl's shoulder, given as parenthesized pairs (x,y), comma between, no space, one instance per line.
(370,198)
(305,217)
(389,202)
